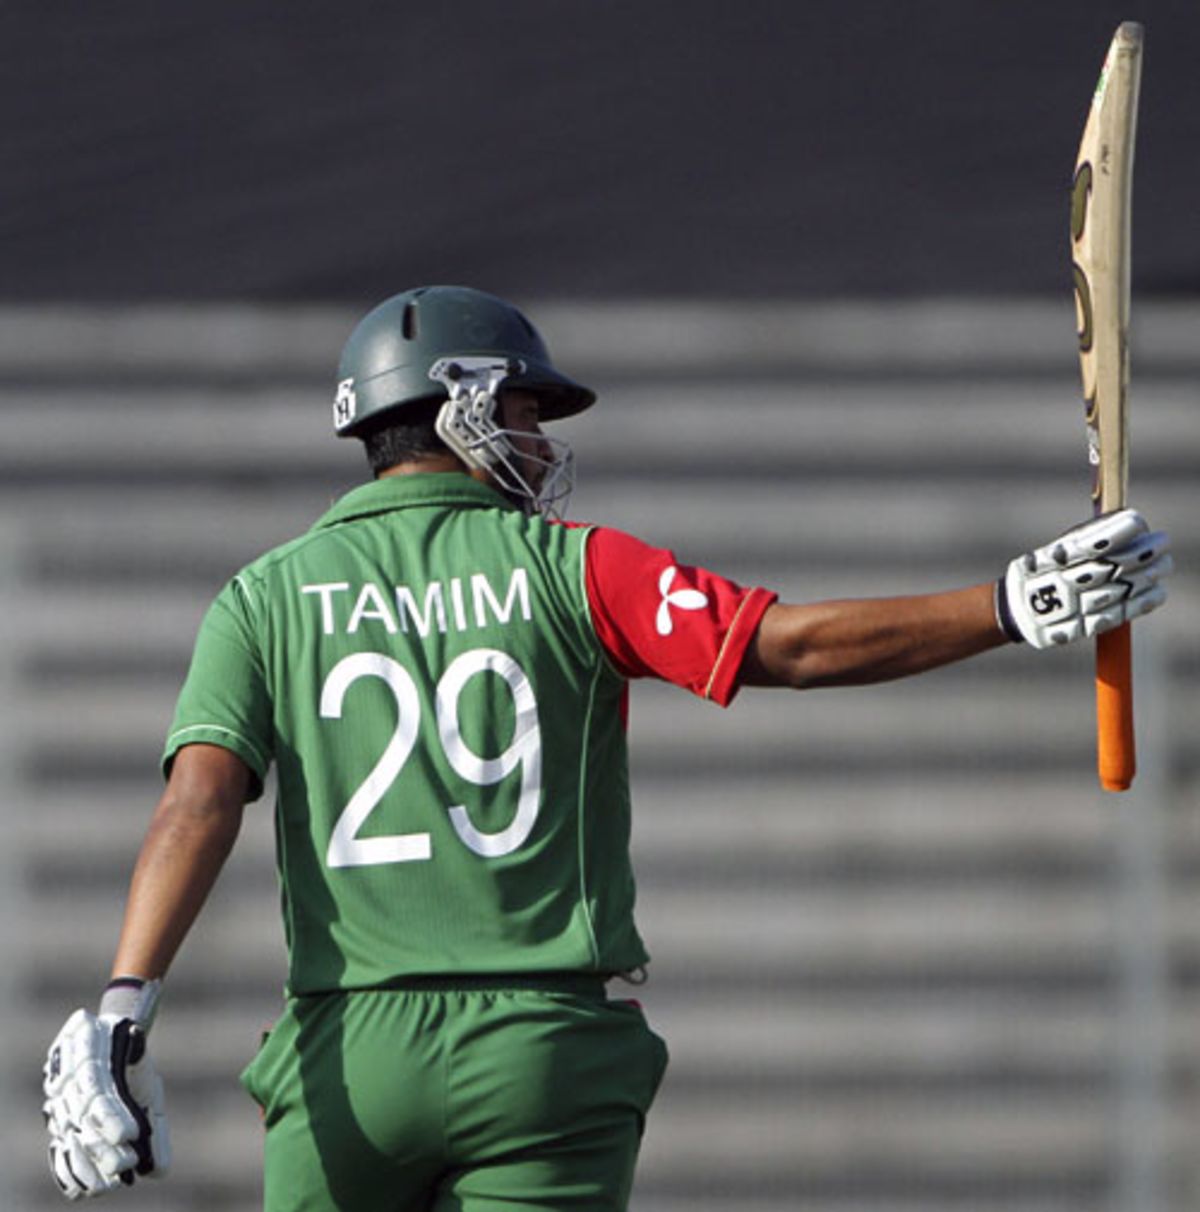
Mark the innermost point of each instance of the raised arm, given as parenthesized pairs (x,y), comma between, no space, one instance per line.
(849,643)
(1087,581)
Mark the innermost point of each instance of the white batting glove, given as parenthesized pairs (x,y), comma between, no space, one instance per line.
(1091,579)
(104,1101)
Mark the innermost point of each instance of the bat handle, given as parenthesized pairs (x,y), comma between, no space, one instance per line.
(1114,709)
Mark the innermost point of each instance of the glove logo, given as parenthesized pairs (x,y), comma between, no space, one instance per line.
(1045,601)
(345,404)
(682,599)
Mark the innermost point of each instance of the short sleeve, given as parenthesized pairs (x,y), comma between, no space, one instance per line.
(657,617)
(224,700)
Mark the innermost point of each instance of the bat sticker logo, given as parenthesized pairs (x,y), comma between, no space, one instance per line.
(1081,197)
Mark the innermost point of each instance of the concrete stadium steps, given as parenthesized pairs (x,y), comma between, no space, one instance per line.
(781,729)
(834,428)
(901,935)
(955,827)
(888,925)
(946,1089)
(238,343)
(739,1041)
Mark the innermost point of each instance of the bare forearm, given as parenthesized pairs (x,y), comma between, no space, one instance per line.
(870,640)
(189,839)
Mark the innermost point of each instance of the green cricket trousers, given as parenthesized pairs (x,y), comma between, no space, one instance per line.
(463,1096)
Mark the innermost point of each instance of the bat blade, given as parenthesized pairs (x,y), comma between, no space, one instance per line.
(1101,209)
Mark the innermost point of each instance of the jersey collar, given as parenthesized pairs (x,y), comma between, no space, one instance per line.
(445,489)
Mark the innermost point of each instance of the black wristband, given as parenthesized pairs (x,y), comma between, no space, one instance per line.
(1004,614)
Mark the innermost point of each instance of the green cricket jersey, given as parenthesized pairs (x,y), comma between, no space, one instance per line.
(452,774)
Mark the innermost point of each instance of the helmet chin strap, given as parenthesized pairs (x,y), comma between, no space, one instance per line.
(467,424)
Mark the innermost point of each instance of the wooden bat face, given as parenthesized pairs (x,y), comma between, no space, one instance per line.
(1101,197)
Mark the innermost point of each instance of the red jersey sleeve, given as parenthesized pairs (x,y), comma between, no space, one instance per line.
(659,618)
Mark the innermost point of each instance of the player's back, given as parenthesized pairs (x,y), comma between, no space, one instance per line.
(452,774)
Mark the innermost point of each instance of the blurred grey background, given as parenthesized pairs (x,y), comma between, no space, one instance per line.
(814,258)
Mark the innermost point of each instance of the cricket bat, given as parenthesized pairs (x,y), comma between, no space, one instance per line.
(1100,223)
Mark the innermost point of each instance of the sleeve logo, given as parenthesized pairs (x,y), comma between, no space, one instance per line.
(682,599)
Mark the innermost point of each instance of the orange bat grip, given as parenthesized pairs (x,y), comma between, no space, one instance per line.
(1117,759)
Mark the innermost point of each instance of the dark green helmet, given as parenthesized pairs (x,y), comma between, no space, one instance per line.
(386,362)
